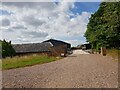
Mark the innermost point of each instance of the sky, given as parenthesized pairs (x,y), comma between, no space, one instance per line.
(34,22)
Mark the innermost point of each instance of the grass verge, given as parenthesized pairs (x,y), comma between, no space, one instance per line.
(114,53)
(17,62)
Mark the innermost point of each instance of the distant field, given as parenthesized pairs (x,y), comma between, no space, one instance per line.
(17,62)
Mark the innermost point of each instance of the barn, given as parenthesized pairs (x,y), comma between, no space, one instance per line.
(32,48)
(58,43)
(59,47)
(86,46)
(50,47)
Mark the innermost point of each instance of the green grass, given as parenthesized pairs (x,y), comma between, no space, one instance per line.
(17,62)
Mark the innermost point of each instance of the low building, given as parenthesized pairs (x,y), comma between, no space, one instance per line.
(32,48)
(50,47)
(59,47)
(58,43)
(86,46)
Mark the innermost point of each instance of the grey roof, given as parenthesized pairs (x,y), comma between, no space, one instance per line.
(32,47)
(56,42)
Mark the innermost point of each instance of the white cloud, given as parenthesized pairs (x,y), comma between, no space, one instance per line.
(32,20)
(75,42)
(35,22)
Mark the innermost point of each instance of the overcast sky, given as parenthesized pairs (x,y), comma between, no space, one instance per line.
(34,22)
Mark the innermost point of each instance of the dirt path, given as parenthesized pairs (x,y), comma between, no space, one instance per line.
(75,71)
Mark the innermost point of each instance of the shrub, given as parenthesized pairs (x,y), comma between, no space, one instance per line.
(7,49)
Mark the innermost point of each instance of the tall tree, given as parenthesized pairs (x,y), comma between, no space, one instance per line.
(103,28)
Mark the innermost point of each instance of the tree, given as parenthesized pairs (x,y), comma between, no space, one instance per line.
(7,49)
(103,28)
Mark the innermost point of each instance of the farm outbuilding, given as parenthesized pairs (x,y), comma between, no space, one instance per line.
(50,47)
(59,47)
(32,48)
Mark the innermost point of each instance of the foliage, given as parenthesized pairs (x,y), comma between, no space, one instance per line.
(103,28)
(17,62)
(7,49)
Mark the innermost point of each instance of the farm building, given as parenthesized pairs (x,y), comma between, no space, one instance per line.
(59,47)
(58,43)
(50,47)
(32,48)
(86,46)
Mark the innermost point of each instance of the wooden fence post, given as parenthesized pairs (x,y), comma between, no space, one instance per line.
(103,51)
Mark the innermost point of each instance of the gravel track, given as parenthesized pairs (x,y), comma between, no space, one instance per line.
(79,52)
(75,71)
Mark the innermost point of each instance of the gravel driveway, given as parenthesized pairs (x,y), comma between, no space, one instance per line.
(75,71)
(79,52)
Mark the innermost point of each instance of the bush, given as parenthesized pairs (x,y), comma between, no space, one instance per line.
(7,49)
